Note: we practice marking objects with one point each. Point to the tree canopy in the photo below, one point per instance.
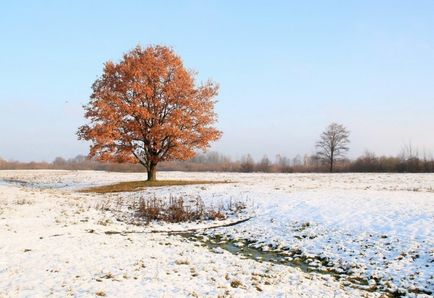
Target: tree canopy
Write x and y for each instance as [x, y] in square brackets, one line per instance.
[148, 108]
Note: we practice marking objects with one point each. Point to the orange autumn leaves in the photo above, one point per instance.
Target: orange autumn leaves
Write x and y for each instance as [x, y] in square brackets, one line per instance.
[147, 108]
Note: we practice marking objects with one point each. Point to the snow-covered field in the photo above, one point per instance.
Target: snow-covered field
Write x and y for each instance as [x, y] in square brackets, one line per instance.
[376, 229]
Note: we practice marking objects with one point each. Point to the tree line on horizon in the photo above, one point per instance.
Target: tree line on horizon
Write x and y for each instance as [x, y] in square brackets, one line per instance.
[408, 161]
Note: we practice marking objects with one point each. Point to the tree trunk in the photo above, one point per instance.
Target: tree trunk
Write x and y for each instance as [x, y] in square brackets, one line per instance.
[331, 164]
[152, 172]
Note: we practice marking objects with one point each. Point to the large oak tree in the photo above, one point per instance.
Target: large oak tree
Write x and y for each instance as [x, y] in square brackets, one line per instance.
[148, 108]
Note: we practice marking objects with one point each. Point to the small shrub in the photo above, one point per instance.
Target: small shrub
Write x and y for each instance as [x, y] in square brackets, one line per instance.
[182, 262]
[176, 210]
[179, 209]
[23, 202]
[109, 275]
[216, 215]
[236, 283]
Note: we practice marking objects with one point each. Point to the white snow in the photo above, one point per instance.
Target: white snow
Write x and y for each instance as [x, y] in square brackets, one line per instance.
[52, 238]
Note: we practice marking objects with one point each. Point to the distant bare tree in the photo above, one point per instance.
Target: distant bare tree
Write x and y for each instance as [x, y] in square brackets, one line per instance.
[283, 164]
[59, 161]
[247, 164]
[296, 161]
[333, 144]
[410, 161]
[264, 165]
[409, 152]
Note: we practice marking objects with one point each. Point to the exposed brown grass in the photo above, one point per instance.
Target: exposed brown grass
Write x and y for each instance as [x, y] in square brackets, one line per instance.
[24, 202]
[131, 186]
[176, 209]
[236, 283]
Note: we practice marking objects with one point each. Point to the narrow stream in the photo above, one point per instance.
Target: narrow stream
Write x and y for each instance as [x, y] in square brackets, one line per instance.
[293, 258]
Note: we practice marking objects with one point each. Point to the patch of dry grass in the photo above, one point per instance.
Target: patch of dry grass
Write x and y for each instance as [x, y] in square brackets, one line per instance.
[236, 283]
[139, 185]
[24, 202]
[176, 209]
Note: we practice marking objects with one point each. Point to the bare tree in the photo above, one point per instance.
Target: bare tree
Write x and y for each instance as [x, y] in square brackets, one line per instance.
[333, 144]
[283, 164]
[264, 165]
[247, 164]
[408, 151]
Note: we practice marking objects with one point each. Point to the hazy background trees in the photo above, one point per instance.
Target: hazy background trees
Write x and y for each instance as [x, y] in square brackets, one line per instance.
[247, 164]
[409, 160]
[216, 162]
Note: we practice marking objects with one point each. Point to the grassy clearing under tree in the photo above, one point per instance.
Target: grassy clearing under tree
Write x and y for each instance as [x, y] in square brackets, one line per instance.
[140, 185]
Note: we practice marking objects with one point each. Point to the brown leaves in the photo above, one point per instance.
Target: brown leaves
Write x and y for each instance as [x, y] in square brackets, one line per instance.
[147, 108]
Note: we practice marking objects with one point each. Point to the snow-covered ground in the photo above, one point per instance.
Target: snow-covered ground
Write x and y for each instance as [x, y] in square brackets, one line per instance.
[375, 227]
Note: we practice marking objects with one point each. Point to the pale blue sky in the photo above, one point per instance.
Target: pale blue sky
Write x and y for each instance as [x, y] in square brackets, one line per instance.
[286, 69]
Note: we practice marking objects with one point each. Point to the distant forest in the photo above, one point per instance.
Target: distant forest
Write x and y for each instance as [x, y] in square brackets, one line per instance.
[409, 161]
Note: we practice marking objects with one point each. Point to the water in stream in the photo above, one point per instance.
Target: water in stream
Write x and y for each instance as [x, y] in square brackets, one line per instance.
[285, 256]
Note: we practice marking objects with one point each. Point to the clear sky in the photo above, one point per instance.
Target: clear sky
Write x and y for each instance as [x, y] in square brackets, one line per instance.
[286, 69]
